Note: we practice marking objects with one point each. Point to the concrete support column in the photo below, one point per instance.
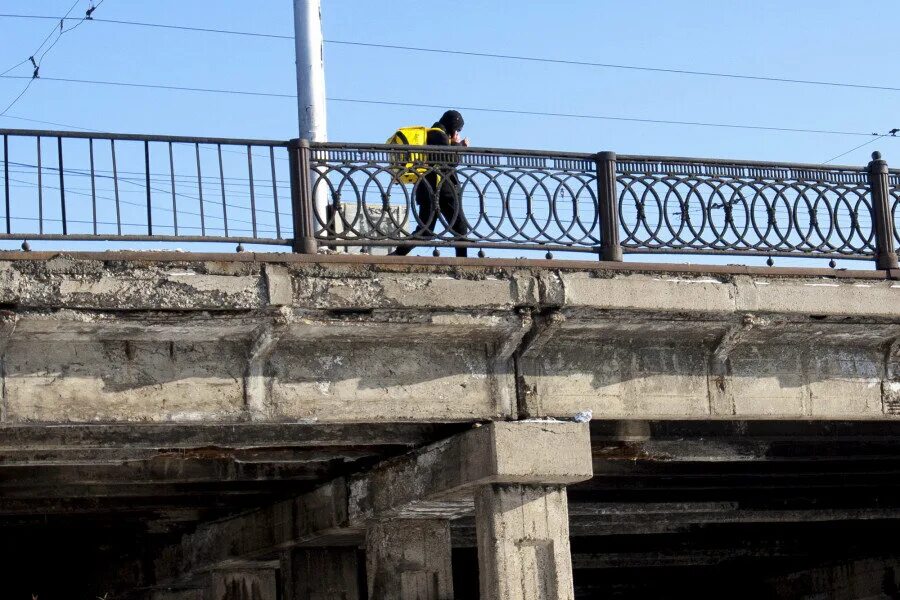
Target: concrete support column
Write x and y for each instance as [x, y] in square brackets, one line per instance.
[244, 584]
[523, 542]
[320, 574]
[409, 559]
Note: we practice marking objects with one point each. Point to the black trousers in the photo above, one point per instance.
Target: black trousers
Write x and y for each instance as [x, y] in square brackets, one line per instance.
[433, 199]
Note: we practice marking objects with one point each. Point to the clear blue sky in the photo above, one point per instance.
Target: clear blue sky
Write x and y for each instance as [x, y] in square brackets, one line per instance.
[806, 39]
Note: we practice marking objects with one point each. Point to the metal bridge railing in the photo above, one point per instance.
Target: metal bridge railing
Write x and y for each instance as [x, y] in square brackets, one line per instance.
[98, 186]
[63, 185]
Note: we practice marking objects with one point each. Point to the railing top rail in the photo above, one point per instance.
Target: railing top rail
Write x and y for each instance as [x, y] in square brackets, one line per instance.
[737, 163]
[454, 149]
[590, 156]
[99, 135]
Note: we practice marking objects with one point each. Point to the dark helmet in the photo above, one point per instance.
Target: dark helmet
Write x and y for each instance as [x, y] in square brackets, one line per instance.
[452, 121]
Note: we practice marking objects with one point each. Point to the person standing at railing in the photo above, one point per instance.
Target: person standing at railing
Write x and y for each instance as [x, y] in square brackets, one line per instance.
[438, 192]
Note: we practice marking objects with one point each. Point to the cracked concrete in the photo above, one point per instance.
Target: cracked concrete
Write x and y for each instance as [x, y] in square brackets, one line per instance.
[171, 339]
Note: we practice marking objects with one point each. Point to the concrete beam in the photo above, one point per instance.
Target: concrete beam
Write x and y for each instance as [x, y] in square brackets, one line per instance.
[438, 481]
[621, 341]
[235, 435]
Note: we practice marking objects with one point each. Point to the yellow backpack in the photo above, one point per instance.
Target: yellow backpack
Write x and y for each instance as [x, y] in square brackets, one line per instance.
[408, 167]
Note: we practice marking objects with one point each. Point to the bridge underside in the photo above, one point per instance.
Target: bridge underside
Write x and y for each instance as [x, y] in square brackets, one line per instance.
[171, 423]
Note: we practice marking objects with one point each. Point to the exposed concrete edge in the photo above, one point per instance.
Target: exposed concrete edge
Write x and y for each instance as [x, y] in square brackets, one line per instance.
[437, 478]
[525, 452]
[487, 263]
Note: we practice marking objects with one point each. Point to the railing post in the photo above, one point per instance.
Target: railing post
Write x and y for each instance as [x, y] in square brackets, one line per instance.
[885, 252]
[302, 197]
[608, 209]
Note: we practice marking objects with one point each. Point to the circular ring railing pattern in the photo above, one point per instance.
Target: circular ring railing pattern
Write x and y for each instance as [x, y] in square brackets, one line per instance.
[744, 209]
[505, 200]
[894, 192]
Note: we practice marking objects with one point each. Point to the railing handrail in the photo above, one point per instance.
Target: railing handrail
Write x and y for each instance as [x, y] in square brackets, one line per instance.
[140, 137]
[486, 150]
[489, 150]
[739, 163]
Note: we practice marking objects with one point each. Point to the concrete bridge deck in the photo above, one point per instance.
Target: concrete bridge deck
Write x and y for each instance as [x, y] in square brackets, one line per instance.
[228, 416]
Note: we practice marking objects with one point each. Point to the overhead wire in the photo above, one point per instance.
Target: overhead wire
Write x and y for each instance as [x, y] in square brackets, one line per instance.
[891, 133]
[37, 63]
[493, 55]
[88, 16]
[468, 108]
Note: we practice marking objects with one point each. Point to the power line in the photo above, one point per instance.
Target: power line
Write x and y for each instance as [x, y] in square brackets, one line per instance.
[514, 57]
[583, 63]
[165, 26]
[87, 16]
[37, 64]
[469, 108]
[892, 133]
[49, 35]
[58, 124]
[177, 88]
[605, 117]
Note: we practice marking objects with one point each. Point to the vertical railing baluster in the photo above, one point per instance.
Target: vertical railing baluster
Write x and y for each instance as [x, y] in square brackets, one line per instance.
[200, 190]
[6, 179]
[174, 196]
[883, 222]
[275, 193]
[149, 194]
[112, 149]
[252, 196]
[62, 189]
[608, 206]
[93, 185]
[222, 187]
[40, 187]
[302, 197]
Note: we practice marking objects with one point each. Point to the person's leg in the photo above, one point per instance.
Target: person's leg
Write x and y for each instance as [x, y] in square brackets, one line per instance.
[451, 209]
[427, 217]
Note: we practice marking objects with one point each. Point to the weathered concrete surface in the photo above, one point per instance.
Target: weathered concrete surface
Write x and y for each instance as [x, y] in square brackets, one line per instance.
[523, 543]
[192, 594]
[849, 580]
[319, 574]
[409, 559]
[244, 584]
[438, 481]
[185, 338]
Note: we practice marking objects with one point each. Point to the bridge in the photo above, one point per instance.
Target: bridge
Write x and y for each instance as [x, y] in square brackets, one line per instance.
[326, 424]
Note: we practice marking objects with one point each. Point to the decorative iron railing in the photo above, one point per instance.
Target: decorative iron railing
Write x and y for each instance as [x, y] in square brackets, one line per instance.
[686, 205]
[492, 198]
[64, 185]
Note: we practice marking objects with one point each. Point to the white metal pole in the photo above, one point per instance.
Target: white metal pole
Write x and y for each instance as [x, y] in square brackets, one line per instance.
[310, 53]
[310, 70]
